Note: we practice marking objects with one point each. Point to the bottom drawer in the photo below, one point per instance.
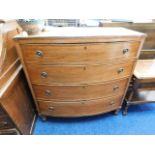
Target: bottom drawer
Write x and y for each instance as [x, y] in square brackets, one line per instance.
[81, 108]
[5, 123]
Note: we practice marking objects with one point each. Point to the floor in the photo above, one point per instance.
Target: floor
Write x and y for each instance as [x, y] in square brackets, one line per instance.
[139, 121]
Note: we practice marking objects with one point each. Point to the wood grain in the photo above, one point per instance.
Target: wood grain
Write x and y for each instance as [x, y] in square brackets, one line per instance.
[79, 53]
[15, 98]
[81, 35]
[12, 68]
[17, 102]
[77, 74]
[76, 109]
[78, 68]
[8, 31]
[145, 69]
[85, 92]
[147, 28]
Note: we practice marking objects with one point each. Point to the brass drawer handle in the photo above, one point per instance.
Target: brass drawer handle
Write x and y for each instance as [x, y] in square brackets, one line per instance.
[112, 103]
[126, 50]
[51, 108]
[39, 53]
[44, 75]
[48, 93]
[115, 88]
[120, 70]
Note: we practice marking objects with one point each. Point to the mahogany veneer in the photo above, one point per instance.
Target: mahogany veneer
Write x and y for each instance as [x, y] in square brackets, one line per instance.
[76, 72]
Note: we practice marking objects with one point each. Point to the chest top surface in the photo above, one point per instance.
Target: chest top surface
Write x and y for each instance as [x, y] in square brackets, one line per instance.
[73, 34]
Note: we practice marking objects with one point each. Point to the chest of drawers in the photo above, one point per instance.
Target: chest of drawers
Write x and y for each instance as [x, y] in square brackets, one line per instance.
[76, 72]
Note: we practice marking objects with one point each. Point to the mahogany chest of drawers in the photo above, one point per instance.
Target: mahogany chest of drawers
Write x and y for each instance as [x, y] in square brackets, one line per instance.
[76, 72]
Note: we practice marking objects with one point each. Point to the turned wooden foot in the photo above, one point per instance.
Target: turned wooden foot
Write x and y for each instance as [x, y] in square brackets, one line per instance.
[125, 110]
[44, 118]
[116, 111]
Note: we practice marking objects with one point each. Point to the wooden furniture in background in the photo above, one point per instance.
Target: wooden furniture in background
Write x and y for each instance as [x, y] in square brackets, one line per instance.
[16, 110]
[142, 89]
[148, 49]
[148, 28]
[142, 86]
[74, 72]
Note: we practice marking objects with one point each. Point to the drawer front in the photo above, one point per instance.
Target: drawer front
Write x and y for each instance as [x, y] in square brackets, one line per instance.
[79, 53]
[77, 74]
[81, 108]
[87, 92]
[5, 123]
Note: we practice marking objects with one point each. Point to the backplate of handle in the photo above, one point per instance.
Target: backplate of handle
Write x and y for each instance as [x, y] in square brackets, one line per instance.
[115, 87]
[125, 51]
[48, 93]
[120, 70]
[44, 74]
[112, 103]
[39, 53]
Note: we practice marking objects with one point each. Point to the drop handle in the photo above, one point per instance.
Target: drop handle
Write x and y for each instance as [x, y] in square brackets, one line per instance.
[44, 74]
[39, 53]
[115, 88]
[112, 103]
[48, 93]
[120, 70]
[51, 108]
[125, 51]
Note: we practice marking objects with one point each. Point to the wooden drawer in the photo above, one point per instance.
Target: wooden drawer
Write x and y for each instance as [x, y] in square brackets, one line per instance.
[81, 108]
[77, 74]
[87, 92]
[5, 123]
[79, 53]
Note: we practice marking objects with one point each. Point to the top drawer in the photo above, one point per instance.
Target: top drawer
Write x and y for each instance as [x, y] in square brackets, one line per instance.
[79, 53]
